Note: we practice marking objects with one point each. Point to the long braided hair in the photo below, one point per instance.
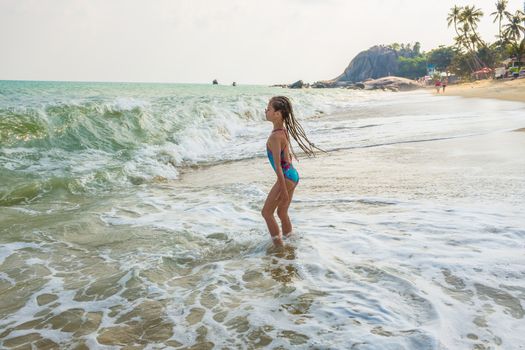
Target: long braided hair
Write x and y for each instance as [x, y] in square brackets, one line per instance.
[283, 104]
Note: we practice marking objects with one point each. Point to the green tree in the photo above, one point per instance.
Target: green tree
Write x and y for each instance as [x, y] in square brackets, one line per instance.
[407, 50]
[471, 52]
[453, 17]
[489, 55]
[499, 52]
[412, 68]
[472, 16]
[441, 57]
[500, 13]
[461, 65]
[514, 29]
[519, 51]
[395, 46]
[465, 21]
[512, 35]
[417, 49]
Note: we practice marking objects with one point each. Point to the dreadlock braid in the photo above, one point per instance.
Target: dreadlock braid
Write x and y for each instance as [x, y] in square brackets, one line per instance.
[283, 104]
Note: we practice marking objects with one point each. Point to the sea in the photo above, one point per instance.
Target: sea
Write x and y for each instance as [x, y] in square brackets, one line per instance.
[130, 219]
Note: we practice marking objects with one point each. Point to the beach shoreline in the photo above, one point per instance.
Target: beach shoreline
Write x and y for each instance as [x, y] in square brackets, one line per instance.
[509, 90]
[460, 164]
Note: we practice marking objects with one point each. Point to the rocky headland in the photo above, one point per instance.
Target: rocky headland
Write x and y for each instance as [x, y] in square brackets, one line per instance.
[372, 69]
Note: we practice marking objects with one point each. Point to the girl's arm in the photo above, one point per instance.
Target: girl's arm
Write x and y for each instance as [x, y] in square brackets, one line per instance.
[274, 144]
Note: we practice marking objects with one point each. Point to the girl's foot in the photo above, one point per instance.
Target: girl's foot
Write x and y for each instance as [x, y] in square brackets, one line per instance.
[288, 235]
[278, 240]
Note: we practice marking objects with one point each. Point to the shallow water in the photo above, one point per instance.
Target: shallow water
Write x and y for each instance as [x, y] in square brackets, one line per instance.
[408, 234]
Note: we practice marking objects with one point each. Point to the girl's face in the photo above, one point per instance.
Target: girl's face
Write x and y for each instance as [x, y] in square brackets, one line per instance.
[271, 113]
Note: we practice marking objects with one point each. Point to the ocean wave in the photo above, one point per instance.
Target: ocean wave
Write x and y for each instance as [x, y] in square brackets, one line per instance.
[102, 136]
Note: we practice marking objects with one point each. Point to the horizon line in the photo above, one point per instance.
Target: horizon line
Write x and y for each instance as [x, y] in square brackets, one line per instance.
[127, 82]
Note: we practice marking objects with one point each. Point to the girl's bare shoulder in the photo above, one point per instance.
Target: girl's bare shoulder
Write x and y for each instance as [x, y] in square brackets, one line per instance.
[277, 137]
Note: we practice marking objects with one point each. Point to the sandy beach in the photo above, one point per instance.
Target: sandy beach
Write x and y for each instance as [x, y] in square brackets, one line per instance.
[511, 90]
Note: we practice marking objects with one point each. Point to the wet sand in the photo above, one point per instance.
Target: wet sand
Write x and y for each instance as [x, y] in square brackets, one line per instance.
[486, 165]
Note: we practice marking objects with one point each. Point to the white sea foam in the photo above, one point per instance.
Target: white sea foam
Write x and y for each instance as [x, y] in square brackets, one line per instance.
[126, 104]
[410, 272]
[7, 250]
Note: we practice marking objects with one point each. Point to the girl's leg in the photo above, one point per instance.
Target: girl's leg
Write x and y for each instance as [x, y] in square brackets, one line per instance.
[267, 212]
[282, 209]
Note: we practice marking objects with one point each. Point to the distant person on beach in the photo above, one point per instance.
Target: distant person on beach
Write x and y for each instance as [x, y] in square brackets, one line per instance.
[279, 150]
[438, 85]
[444, 84]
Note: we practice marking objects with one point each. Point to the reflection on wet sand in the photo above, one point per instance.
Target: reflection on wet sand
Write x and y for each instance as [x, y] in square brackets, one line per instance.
[281, 266]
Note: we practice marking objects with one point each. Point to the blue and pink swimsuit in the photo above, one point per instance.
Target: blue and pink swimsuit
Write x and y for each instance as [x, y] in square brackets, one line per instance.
[288, 170]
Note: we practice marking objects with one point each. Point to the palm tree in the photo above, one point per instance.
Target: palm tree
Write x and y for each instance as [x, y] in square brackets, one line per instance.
[519, 50]
[453, 17]
[465, 36]
[460, 41]
[512, 34]
[500, 13]
[472, 16]
[465, 21]
[417, 48]
[513, 30]
[469, 18]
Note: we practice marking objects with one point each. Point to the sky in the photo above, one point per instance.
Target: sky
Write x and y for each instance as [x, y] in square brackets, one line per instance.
[196, 41]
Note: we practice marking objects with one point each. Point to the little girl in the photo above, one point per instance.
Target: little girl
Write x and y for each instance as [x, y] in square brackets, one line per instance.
[279, 150]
